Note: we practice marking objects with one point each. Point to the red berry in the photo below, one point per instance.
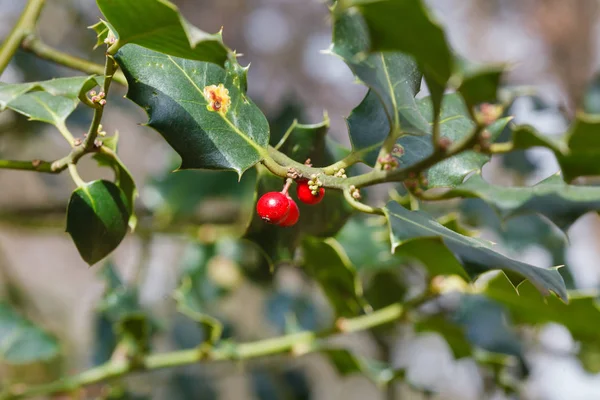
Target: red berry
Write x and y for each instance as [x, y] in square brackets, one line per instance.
[305, 194]
[273, 207]
[292, 216]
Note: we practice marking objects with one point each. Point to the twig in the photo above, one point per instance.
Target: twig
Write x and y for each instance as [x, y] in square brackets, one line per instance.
[35, 46]
[110, 66]
[308, 340]
[361, 206]
[25, 25]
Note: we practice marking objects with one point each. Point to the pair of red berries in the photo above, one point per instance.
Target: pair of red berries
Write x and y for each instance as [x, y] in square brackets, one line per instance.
[280, 209]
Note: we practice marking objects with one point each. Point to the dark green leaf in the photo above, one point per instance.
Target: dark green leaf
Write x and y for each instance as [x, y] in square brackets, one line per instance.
[481, 86]
[368, 129]
[393, 77]
[305, 140]
[528, 307]
[561, 203]
[123, 178]
[576, 153]
[519, 232]
[475, 255]
[367, 244]
[97, 219]
[22, 342]
[487, 326]
[456, 125]
[157, 25]
[385, 288]
[326, 263]
[432, 253]
[405, 26]
[171, 90]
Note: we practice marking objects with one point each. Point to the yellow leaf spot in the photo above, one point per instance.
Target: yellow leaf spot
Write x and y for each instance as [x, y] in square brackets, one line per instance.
[217, 97]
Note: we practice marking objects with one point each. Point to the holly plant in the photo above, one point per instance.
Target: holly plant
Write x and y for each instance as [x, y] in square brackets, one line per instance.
[385, 229]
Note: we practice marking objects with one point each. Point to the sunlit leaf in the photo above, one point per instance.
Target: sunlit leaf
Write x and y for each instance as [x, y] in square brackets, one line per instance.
[171, 90]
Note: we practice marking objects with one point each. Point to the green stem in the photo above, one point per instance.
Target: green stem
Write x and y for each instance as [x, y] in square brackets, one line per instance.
[286, 134]
[361, 206]
[78, 151]
[501, 148]
[110, 67]
[435, 130]
[278, 163]
[307, 341]
[379, 317]
[53, 167]
[25, 25]
[35, 165]
[349, 160]
[42, 50]
[388, 145]
[66, 133]
[75, 176]
[377, 176]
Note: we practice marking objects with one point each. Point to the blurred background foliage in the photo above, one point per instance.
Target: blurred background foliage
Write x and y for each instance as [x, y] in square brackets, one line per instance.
[185, 262]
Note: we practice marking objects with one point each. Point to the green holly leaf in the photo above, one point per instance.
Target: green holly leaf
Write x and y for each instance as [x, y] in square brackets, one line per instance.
[433, 255]
[487, 326]
[97, 218]
[385, 288]
[561, 203]
[456, 125]
[405, 26]
[368, 129]
[123, 178]
[476, 256]
[103, 30]
[576, 153]
[22, 342]
[171, 90]
[529, 307]
[338, 280]
[48, 101]
[301, 141]
[393, 77]
[481, 85]
[367, 244]
[71, 88]
[42, 106]
[158, 25]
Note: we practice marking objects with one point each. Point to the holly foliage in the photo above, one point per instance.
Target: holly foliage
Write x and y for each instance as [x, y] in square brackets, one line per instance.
[361, 254]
